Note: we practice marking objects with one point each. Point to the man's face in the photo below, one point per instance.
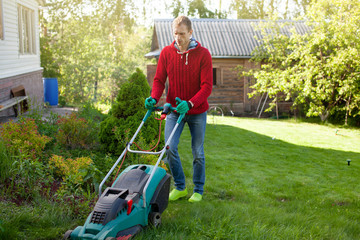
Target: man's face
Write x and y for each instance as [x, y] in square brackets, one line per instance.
[181, 35]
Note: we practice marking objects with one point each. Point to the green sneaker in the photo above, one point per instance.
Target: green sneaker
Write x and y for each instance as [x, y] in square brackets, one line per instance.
[176, 194]
[196, 197]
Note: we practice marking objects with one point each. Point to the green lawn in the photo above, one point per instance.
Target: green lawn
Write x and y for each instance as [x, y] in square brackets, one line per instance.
[266, 179]
[269, 179]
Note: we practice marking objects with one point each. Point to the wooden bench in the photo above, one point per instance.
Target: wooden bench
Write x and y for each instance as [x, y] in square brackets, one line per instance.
[12, 102]
[18, 100]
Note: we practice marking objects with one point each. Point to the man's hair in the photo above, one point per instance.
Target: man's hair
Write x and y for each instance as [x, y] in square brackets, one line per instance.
[182, 20]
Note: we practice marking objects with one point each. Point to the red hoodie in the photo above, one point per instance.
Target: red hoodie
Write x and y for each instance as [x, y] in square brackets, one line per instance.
[190, 77]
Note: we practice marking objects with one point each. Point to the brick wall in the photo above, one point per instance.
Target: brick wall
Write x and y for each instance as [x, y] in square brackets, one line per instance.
[33, 85]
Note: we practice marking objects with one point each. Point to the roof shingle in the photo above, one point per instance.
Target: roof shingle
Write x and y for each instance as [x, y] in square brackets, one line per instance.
[225, 38]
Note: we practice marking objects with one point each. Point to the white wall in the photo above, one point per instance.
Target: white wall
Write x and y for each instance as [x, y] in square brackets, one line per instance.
[11, 62]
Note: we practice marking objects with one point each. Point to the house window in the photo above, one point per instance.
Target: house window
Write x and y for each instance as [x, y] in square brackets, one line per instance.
[217, 80]
[26, 19]
[214, 76]
[1, 22]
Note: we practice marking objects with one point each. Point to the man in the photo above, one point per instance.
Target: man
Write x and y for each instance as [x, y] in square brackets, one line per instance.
[188, 67]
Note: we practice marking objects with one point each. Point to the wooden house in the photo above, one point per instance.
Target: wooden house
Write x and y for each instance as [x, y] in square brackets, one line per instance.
[20, 50]
[231, 43]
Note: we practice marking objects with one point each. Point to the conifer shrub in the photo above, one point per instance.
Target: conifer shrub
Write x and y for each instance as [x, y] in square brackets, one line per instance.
[126, 115]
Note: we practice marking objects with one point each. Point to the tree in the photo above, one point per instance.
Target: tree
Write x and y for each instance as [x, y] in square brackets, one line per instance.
[177, 8]
[196, 9]
[320, 69]
[261, 9]
[95, 44]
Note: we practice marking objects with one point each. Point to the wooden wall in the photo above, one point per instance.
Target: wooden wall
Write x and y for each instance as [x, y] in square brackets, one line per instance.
[13, 63]
[230, 92]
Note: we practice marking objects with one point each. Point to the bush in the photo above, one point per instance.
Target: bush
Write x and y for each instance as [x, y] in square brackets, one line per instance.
[23, 178]
[126, 114]
[30, 179]
[23, 139]
[68, 168]
[75, 132]
[75, 173]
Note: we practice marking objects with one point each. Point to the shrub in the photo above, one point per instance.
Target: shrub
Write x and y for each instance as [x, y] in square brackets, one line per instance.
[126, 114]
[79, 179]
[73, 169]
[23, 139]
[75, 132]
[26, 180]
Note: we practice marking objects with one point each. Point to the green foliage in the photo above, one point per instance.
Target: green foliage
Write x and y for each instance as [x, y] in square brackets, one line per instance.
[23, 139]
[46, 125]
[62, 100]
[255, 9]
[319, 69]
[130, 97]
[196, 9]
[126, 114]
[75, 132]
[95, 50]
[48, 62]
[77, 174]
[107, 135]
[89, 112]
[29, 180]
[75, 170]
[5, 162]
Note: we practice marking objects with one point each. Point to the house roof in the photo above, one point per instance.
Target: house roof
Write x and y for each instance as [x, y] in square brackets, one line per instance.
[224, 38]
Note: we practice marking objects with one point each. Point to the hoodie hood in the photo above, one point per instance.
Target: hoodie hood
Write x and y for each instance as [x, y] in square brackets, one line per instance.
[192, 45]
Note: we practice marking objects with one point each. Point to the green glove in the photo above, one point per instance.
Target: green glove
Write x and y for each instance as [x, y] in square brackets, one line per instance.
[150, 103]
[182, 106]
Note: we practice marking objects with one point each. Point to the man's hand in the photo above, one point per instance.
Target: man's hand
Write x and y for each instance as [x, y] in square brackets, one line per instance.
[150, 103]
[182, 106]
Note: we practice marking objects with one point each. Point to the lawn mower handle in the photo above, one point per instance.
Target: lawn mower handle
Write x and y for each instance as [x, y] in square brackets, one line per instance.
[166, 109]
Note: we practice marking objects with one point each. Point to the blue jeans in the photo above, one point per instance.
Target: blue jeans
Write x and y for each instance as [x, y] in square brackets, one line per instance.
[197, 126]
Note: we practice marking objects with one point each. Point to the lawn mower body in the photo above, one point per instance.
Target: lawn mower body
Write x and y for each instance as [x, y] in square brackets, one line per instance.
[119, 212]
[138, 196]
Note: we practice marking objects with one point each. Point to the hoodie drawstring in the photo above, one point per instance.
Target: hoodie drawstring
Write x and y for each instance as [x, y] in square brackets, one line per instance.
[187, 56]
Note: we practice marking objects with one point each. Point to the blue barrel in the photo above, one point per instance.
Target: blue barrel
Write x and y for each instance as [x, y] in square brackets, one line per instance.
[51, 91]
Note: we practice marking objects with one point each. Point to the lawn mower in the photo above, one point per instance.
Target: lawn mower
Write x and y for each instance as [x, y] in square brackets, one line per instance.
[137, 197]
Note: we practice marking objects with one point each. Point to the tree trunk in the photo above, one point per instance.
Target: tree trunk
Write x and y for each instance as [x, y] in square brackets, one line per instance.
[277, 109]
[324, 116]
[95, 90]
[347, 110]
